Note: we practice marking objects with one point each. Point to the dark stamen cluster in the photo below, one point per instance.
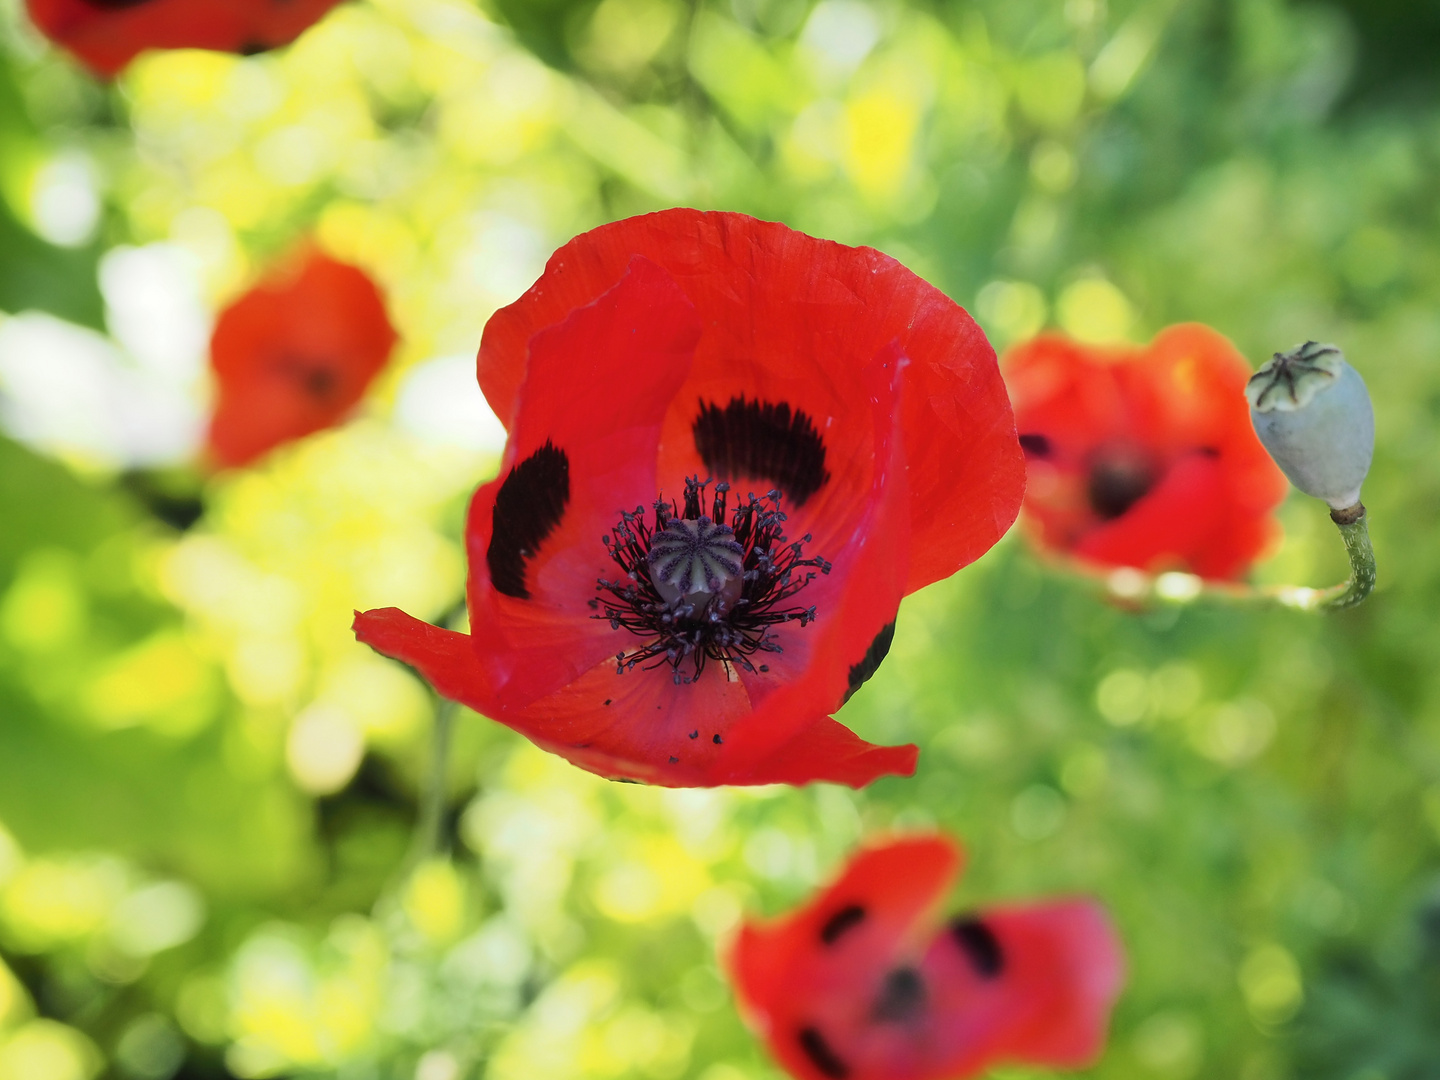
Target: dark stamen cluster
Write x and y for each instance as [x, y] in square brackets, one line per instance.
[692, 630]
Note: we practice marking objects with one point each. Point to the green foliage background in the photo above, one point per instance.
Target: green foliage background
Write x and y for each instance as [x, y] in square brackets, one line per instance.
[1255, 794]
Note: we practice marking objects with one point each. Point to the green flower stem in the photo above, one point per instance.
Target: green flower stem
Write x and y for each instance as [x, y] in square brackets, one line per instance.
[429, 839]
[1131, 587]
[1356, 535]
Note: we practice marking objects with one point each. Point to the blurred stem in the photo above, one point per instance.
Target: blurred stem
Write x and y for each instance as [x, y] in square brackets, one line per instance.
[429, 839]
[1131, 587]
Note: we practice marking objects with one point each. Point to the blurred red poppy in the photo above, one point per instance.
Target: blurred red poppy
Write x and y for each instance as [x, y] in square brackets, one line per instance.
[107, 34]
[860, 444]
[294, 355]
[865, 982]
[1144, 457]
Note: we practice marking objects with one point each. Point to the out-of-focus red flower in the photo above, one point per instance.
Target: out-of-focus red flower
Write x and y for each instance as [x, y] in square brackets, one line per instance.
[860, 443]
[294, 355]
[1144, 457]
[107, 34]
[867, 983]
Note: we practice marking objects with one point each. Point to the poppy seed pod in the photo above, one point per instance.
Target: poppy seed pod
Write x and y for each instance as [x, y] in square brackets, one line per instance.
[1312, 412]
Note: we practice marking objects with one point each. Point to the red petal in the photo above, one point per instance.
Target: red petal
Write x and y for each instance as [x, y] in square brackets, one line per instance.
[597, 387]
[108, 38]
[1173, 403]
[1172, 526]
[810, 967]
[684, 736]
[791, 318]
[1050, 1005]
[575, 724]
[811, 981]
[445, 658]
[744, 728]
[827, 752]
[294, 355]
[868, 544]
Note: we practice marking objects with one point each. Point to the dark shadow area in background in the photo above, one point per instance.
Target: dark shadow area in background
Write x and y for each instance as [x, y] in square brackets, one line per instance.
[1398, 43]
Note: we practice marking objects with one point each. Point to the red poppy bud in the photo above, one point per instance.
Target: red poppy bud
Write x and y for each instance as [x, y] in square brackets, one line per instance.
[107, 34]
[732, 449]
[1144, 456]
[294, 355]
[866, 982]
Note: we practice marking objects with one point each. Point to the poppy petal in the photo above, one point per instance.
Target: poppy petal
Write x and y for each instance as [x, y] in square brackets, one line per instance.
[803, 972]
[294, 354]
[860, 595]
[863, 982]
[445, 658]
[107, 36]
[825, 752]
[596, 388]
[790, 319]
[1144, 457]
[1171, 526]
[643, 725]
[1066, 967]
[682, 348]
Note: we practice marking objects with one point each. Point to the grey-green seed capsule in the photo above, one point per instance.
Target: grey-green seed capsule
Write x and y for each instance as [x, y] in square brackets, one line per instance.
[1312, 413]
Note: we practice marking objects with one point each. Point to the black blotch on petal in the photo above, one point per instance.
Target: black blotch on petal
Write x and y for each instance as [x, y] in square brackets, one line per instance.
[1035, 443]
[980, 945]
[695, 734]
[674, 760]
[848, 917]
[1116, 484]
[529, 505]
[870, 663]
[717, 740]
[820, 1054]
[320, 382]
[762, 439]
[902, 997]
[608, 700]
[1209, 451]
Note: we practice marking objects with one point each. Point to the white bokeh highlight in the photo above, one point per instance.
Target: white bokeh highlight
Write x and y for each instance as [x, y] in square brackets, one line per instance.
[132, 401]
[440, 402]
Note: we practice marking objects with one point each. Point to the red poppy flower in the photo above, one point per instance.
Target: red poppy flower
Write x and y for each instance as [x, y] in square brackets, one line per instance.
[1144, 457]
[107, 34]
[865, 981]
[646, 623]
[294, 355]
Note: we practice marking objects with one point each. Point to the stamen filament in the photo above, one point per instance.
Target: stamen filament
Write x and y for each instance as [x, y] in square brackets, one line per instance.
[658, 598]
